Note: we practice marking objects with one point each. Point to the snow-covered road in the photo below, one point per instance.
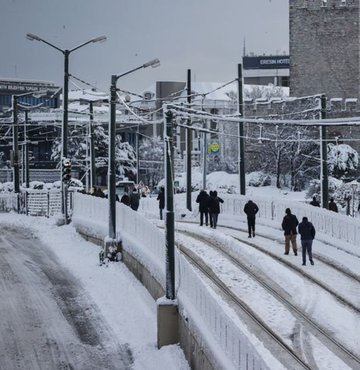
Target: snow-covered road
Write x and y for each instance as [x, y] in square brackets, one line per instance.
[48, 321]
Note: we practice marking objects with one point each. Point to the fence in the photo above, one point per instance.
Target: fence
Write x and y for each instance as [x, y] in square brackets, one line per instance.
[145, 242]
[35, 202]
[330, 224]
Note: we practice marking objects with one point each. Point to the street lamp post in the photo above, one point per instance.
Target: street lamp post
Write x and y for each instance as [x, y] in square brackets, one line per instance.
[64, 134]
[112, 133]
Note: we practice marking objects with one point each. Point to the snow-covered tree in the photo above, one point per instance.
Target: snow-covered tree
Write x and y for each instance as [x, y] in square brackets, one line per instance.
[282, 151]
[125, 157]
[152, 160]
[342, 159]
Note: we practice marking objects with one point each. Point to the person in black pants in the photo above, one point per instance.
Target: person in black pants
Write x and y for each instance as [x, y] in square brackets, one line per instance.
[307, 233]
[203, 200]
[161, 199]
[251, 209]
[214, 208]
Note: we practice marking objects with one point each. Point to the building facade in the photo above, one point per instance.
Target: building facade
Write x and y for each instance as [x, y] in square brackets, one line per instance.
[266, 69]
[324, 48]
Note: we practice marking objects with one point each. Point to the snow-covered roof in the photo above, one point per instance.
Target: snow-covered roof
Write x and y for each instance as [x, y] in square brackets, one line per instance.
[216, 91]
[88, 94]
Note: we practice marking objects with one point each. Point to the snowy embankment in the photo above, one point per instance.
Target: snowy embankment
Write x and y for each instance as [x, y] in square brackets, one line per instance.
[123, 302]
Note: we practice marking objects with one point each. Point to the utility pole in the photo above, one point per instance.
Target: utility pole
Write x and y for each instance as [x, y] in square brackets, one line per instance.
[169, 218]
[324, 179]
[188, 146]
[26, 150]
[241, 133]
[92, 147]
[137, 156]
[204, 154]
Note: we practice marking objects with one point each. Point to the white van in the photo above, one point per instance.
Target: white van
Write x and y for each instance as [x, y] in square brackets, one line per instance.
[124, 186]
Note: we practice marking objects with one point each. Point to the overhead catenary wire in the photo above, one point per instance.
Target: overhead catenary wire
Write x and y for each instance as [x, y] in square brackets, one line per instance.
[186, 112]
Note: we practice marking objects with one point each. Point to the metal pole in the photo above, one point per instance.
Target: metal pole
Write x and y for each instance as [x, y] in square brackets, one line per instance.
[64, 132]
[169, 218]
[15, 144]
[137, 156]
[324, 180]
[204, 155]
[241, 133]
[92, 147]
[27, 173]
[112, 179]
[65, 105]
[188, 146]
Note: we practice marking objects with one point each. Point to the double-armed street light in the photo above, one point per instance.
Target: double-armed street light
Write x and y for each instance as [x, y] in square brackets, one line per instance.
[66, 53]
[112, 133]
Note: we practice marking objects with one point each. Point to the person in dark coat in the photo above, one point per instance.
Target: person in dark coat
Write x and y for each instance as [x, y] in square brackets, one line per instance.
[307, 234]
[251, 209]
[134, 200]
[289, 225]
[161, 199]
[214, 208]
[332, 206]
[314, 202]
[125, 199]
[203, 200]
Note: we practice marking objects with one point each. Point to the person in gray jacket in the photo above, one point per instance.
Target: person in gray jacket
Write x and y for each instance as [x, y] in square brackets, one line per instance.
[307, 233]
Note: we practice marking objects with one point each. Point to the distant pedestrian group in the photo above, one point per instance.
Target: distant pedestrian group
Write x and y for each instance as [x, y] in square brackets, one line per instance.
[209, 207]
[306, 229]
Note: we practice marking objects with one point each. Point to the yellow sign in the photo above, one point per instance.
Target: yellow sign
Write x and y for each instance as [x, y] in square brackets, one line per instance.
[213, 147]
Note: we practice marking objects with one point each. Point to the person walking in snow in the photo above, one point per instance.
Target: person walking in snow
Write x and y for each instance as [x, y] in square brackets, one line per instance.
[214, 208]
[314, 202]
[203, 200]
[332, 206]
[307, 235]
[161, 199]
[289, 225]
[251, 209]
[134, 199]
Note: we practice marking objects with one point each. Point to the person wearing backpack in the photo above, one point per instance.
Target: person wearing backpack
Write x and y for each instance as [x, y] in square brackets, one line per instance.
[214, 208]
[307, 233]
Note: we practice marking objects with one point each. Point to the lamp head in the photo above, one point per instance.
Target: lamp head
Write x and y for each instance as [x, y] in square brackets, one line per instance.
[32, 37]
[152, 63]
[99, 39]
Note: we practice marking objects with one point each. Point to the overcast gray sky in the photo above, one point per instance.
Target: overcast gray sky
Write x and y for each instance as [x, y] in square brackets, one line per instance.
[206, 36]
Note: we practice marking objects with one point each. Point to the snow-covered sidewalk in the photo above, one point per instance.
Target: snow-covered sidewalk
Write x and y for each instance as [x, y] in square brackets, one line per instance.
[123, 302]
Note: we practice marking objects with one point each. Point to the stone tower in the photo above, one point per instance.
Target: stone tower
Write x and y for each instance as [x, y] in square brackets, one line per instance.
[324, 48]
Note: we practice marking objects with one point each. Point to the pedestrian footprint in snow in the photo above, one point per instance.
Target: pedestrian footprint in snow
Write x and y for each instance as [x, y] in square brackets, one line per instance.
[307, 233]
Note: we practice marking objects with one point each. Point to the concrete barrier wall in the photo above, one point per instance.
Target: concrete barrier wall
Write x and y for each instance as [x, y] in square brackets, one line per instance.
[209, 334]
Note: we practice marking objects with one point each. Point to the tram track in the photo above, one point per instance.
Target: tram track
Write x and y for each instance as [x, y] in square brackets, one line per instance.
[326, 338]
[352, 278]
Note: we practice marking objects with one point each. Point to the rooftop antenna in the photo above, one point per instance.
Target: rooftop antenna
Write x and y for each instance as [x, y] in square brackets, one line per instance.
[244, 47]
